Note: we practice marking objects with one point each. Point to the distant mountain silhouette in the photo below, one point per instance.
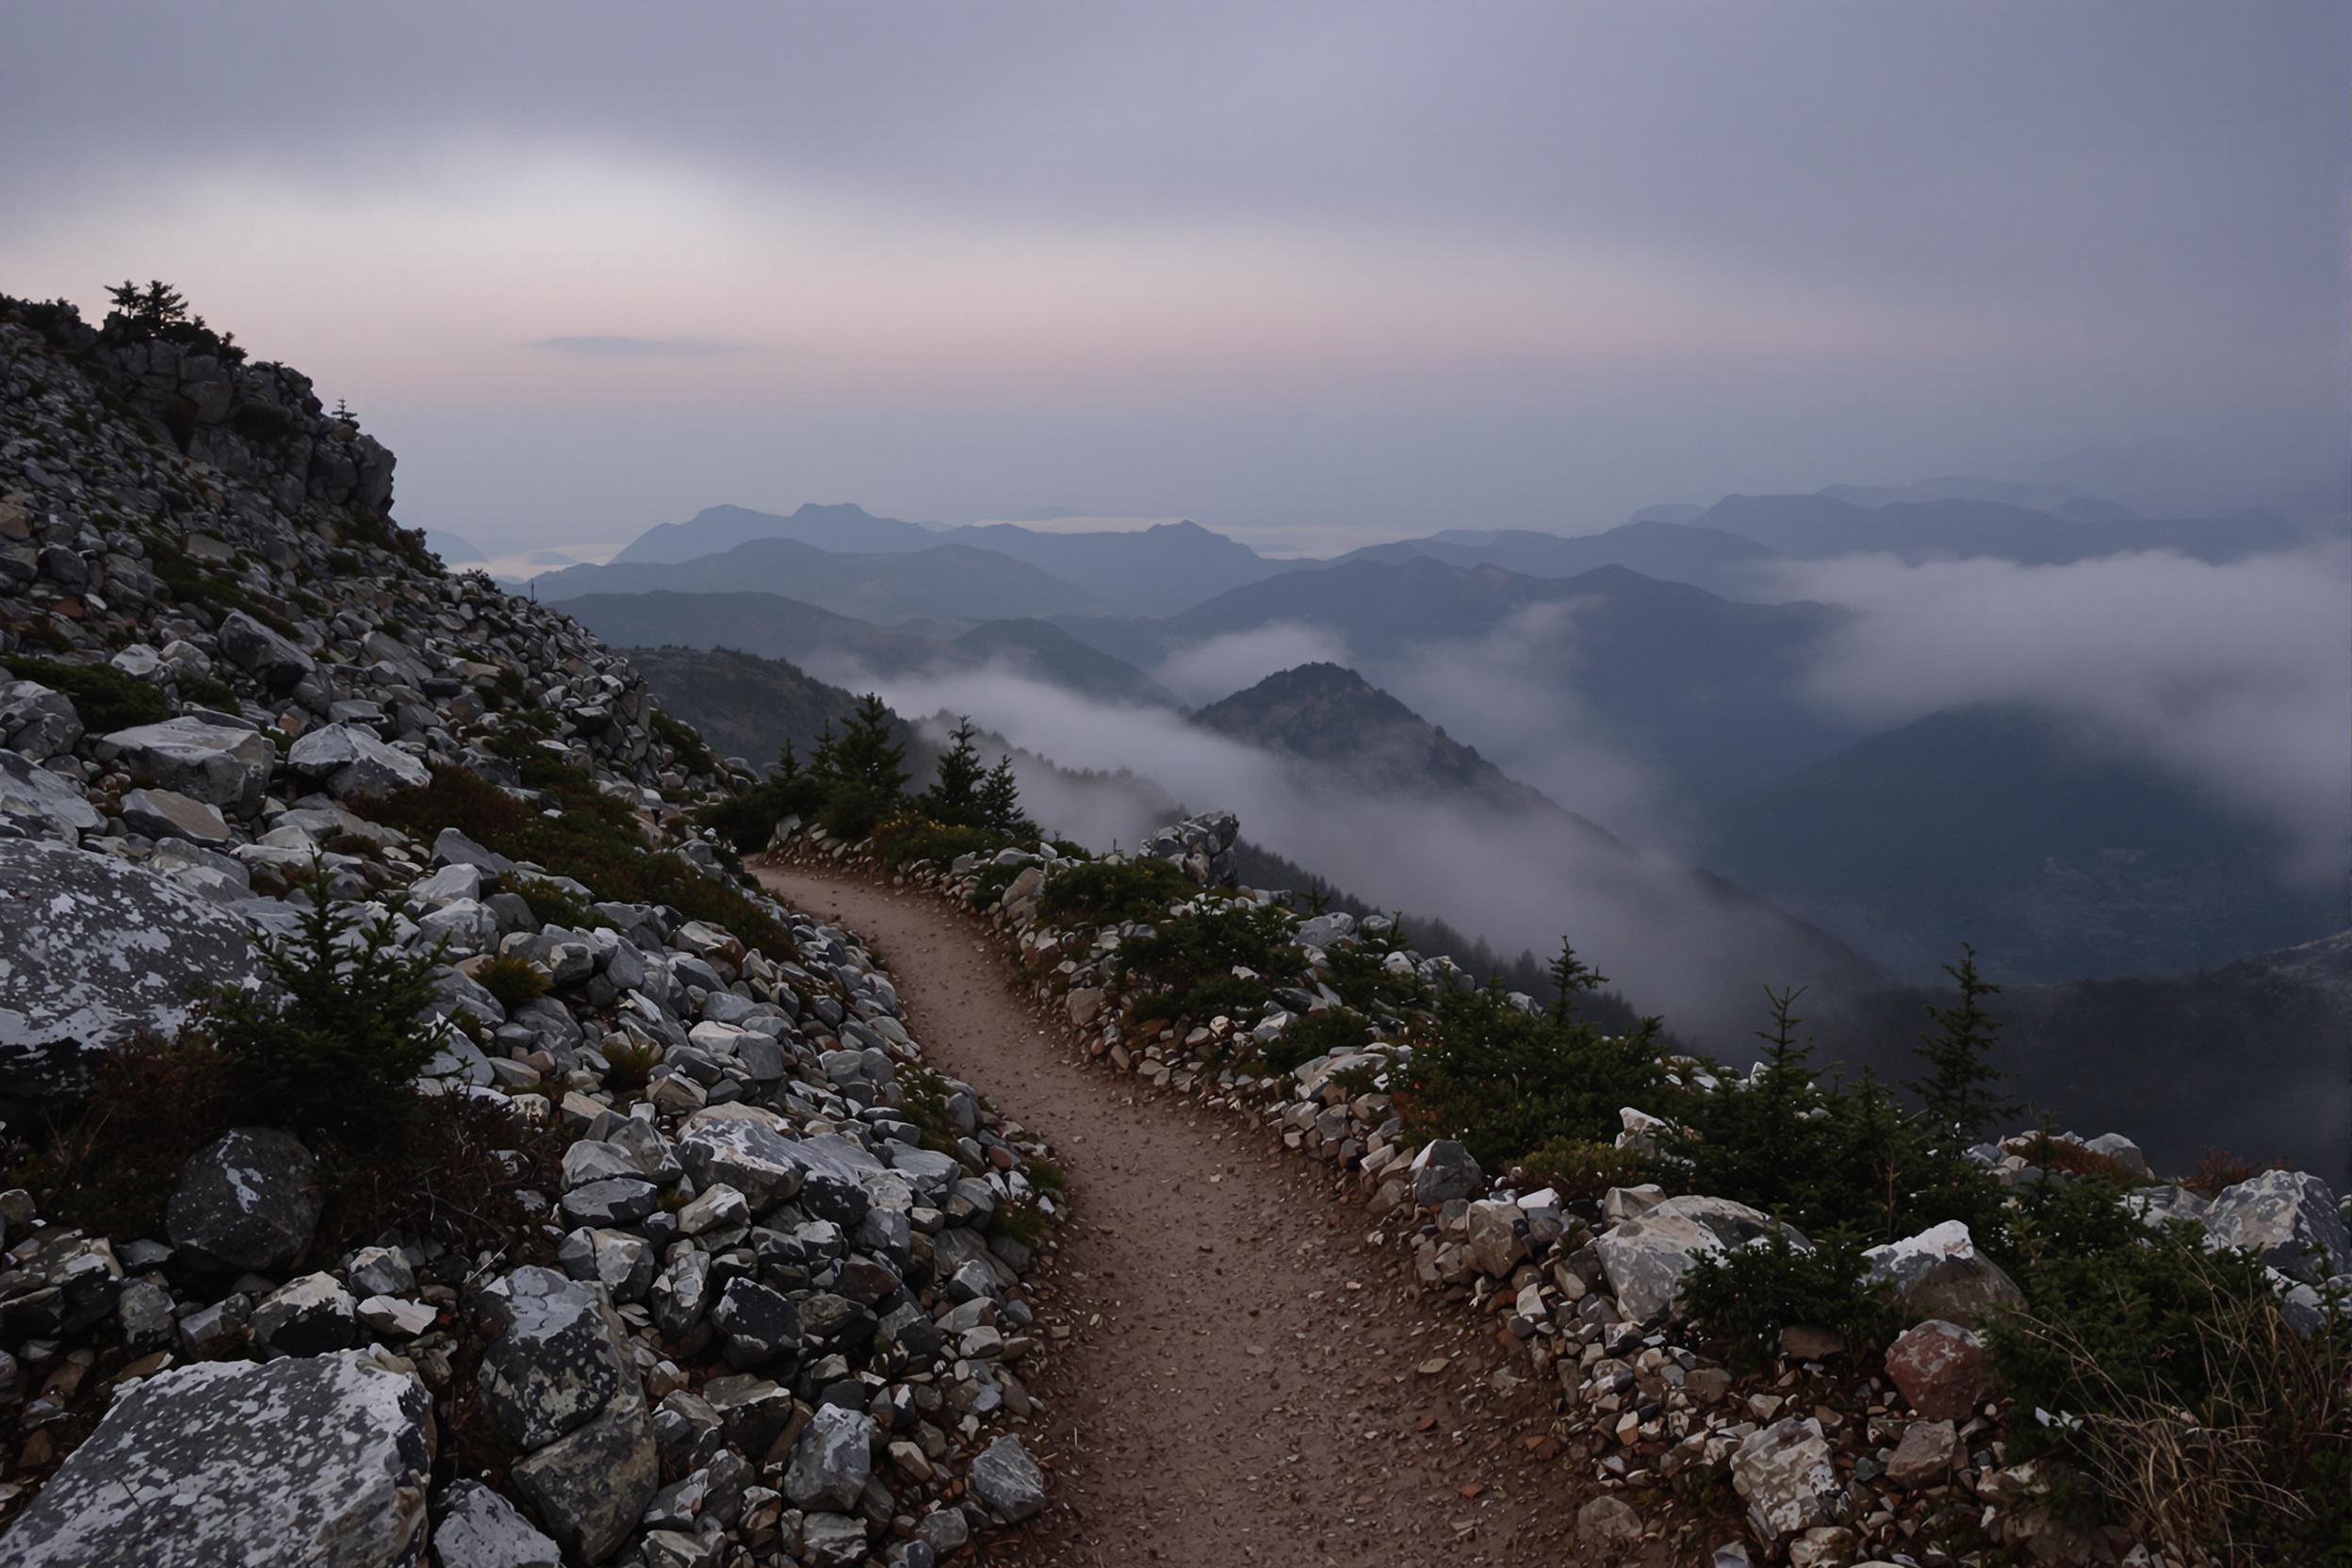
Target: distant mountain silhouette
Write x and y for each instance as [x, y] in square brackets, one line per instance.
[1824, 525]
[845, 529]
[1043, 651]
[1149, 571]
[1999, 825]
[947, 581]
[1672, 552]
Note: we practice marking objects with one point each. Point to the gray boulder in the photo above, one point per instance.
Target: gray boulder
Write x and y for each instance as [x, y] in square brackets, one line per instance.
[746, 1155]
[37, 720]
[320, 1462]
[2289, 1220]
[352, 763]
[217, 763]
[1445, 1171]
[1939, 1273]
[480, 1529]
[554, 1361]
[169, 814]
[1646, 1257]
[590, 1486]
[1008, 1480]
[247, 1200]
[41, 804]
[831, 1461]
[276, 662]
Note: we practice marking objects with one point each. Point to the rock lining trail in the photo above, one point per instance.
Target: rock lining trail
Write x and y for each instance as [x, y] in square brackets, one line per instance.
[1244, 1381]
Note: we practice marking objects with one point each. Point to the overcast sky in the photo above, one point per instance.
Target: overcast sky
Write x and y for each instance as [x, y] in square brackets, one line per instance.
[1298, 272]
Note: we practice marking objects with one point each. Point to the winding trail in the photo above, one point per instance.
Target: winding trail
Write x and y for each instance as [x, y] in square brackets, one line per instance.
[1241, 1380]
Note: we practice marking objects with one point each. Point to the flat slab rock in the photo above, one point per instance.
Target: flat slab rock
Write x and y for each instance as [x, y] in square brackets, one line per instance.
[321, 1462]
[94, 950]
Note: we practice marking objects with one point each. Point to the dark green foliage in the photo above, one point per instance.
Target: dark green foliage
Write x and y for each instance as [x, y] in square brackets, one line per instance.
[1000, 801]
[1571, 977]
[2178, 1390]
[1505, 1082]
[1316, 1035]
[1211, 940]
[205, 691]
[863, 772]
[1583, 1169]
[106, 699]
[112, 1166]
[1742, 1297]
[954, 797]
[551, 904]
[333, 1046]
[902, 841]
[629, 1064]
[513, 979]
[1960, 1096]
[1113, 892]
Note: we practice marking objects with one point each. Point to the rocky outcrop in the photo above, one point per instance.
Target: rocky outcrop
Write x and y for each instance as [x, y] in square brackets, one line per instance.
[756, 1220]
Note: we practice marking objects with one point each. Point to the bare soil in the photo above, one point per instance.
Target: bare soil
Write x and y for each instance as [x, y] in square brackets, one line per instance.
[1245, 1378]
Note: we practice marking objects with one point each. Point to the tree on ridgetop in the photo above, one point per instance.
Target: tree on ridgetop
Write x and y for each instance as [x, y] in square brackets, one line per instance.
[1569, 977]
[1959, 1095]
[160, 310]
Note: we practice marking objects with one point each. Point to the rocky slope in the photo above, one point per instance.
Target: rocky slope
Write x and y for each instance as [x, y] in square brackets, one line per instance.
[744, 1282]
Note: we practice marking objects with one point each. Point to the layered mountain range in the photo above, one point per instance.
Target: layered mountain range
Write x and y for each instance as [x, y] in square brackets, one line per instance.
[1663, 679]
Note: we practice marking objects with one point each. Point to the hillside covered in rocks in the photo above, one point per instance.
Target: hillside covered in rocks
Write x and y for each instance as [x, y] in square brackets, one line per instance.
[422, 1143]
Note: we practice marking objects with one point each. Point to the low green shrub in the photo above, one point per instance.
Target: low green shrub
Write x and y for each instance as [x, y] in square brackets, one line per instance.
[1315, 1034]
[629, 1064]
[106, 699]
[333, 1045]
[110, 1165]
[1210, 941]
[1113, 892]
[1742, 1297]
[513, 979]
[685, 742]
[903, 840]
[1583, 1169]
[1505, 1082]
[2168, 1377]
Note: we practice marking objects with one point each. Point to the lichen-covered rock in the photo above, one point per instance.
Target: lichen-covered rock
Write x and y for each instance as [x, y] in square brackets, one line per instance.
[746, 1155]
[553, 1361]
[1445, 1171]
[319, 1461]
[94, 950]
[2286, 1217]
[1787, 1477]
[247, 1200]
[479, 1529]
[590, 1486]
[831, 1460]
[1645, 1259]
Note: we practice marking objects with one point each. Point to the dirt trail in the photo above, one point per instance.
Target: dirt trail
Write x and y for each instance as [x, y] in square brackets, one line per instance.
[1242, 1383]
